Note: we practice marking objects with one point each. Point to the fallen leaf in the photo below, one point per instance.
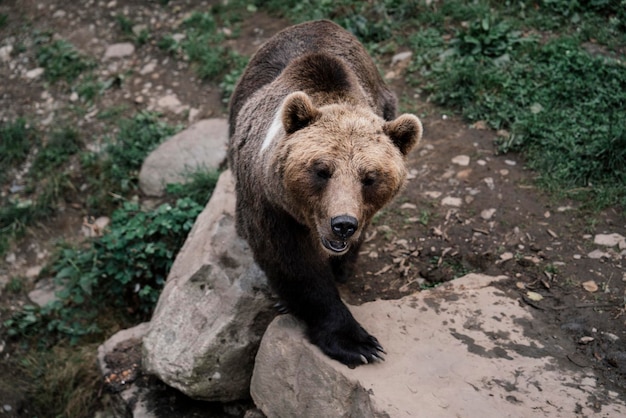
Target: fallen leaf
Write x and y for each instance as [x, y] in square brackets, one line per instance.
[590, 286]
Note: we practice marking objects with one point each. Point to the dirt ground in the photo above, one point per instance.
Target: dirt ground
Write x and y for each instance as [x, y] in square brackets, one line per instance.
[476, 213]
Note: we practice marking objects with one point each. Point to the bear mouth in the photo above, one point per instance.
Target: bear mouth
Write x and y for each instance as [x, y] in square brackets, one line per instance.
[335, 246]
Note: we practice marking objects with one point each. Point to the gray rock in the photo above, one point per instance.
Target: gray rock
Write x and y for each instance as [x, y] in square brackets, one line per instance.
[458, 350]
[608, 240]
[120, 50]
[5, 53]
[44, 292]
[202, 146]
[213, 310]
[34, 73]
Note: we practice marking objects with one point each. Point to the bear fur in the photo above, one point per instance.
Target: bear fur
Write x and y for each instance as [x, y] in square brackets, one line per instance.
[316, 151]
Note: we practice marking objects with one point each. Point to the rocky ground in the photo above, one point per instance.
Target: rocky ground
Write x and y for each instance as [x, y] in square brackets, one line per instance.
[465, 209]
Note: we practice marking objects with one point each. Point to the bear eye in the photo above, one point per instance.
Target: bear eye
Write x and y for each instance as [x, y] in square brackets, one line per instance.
[323, 173]
[368, 180]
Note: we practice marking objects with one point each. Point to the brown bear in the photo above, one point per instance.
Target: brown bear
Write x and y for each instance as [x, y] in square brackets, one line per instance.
[316, 151]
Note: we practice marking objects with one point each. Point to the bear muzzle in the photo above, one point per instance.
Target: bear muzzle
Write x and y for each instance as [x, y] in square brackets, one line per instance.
[343, 227]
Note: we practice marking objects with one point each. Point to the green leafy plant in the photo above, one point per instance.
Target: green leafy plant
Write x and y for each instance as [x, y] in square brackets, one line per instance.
[123, 269]
[61, 61]
[560, 104]
[115, 171]
[17, 140]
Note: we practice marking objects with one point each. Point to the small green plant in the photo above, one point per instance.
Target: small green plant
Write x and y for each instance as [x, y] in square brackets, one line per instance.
[203, 46]
[115, 171]
[17, 140]
[4, 18]
[488, 37]
[123, 269]
[61, 61]
[198, 187]
[63, 143]
[137, 34]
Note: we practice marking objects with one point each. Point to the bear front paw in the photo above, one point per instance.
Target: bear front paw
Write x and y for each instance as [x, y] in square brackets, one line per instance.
[349, 344]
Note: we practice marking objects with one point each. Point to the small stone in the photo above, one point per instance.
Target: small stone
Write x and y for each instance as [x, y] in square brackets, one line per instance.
[121, 50]
[489, 182]
[34, 73]
[464, 174]
[564, 208]
[452, 201]
[590, 286]
[402, 56]
[614, 338]
[5, 53]
[487, 213]
[432, 194]
[510, 162]
[7, 407]
[546, 214]
[577, 256]
[148, 68]
[534, 296]
[608, 240]
[462, 160]
[33, 272]
[73, 96]
[408, 206]
[506, 256]
[481, 163]
[585, 340]
[504, 172]
[171, 103]
[597, 254]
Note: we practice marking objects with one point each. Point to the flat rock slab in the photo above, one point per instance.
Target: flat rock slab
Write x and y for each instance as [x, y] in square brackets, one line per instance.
[460, 350]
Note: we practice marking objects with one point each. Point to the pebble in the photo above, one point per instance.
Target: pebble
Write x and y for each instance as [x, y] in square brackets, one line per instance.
[462, 160]
[464, 174]
[481, 163]
[121, 50]
[402, 56]
[34, 73]
[577, 256]
[504, 172]
[489, 182]
[510, 162]
[608, 240]
[487, 213]
[171, 103]
[597, 254]
[455, 202]
[432, 194]
[506, 256]
[5, 53]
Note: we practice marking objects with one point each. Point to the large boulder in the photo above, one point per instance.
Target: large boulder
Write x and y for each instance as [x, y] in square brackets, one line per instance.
[202, 146]
[213, 310]
[463, 349]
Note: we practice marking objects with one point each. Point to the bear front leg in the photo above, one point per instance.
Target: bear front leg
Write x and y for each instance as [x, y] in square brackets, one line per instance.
[311, 296]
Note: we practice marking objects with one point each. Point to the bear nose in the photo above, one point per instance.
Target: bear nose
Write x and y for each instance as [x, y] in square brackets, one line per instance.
[344, 226]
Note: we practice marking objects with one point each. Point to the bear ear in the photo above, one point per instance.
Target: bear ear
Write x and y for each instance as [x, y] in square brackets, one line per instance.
[405, 132]
[298, 112]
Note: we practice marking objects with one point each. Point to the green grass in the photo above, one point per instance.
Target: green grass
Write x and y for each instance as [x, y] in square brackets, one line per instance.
[203, 45]
[114, 173]
[562, 106]
[61, 60]
[17, 139]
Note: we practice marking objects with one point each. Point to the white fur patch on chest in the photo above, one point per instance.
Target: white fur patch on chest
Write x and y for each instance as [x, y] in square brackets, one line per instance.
[274, 130]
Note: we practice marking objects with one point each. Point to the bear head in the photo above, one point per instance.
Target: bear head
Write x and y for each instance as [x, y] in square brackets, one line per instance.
[338, 165]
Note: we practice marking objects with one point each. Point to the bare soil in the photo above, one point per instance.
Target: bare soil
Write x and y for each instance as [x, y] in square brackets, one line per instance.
[500, 223]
